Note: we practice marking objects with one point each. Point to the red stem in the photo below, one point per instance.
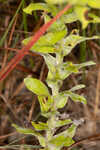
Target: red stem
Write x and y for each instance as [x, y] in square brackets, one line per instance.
[11, 65]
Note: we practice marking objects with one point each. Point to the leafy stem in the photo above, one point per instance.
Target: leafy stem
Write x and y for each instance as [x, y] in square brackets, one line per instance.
[53, 46]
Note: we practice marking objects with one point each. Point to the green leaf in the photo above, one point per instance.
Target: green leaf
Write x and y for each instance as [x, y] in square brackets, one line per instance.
[36, 6]
[60, 100]
[42, 45]
[42, 101]
[31, 132]
[77, 87]
[25, 130]
[69, 141]
[71, 130]
[69, 18]
[52, 83]
[93, 18]
[56, 1]
[64, 138]
[36, 86]
[77, 2]
[75, 97]
[66, 69]
[51, 62]
[42, 141]
[46, 43]
[80, 12]
[52, 66]
[94, 3]
[53, 37]
[88, 63]
[60, 123]
[61, 141]
[45, 103]
[72, 40]
[56, 26]
[40, 126]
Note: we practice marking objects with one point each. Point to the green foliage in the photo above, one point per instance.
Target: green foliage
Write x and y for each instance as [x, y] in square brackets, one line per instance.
[64, 138]
[77, 87]
[58, 41]
[60, 123]
[56, 1]
[45, 103]
[40, 126]
[26, 131]
[36, 86]
[36, 6]
[75, 97]
[31, 132]
[94, 4]
[80, 9]
[46, 43]
[60, 100]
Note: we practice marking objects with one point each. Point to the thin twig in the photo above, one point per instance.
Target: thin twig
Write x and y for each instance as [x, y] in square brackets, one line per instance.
[97, 94]
[12, 30]
[91, 138]
[17, 50]
[7, 135]
[9, 105]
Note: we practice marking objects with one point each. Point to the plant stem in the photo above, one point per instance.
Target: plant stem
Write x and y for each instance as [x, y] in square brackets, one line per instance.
[55, 92]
